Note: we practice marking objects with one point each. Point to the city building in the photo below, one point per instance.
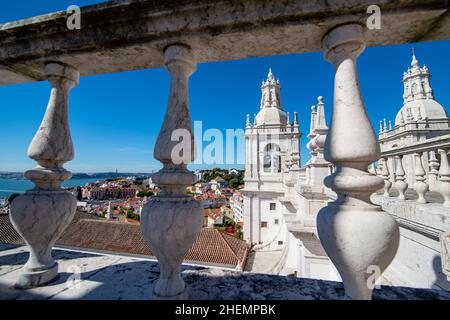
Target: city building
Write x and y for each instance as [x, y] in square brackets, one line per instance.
[272, 155]
[212, 216]
[212, 200]
[218, 183]
[411, 153]
[237, 206]
[106, 192]
[414, 165]
[420, 119]
[202, 187]
[198, 174]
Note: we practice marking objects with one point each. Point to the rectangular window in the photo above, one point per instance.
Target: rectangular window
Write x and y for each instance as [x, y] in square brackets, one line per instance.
[272, 206]
[276, 221]
[280, 243]
[263, 224]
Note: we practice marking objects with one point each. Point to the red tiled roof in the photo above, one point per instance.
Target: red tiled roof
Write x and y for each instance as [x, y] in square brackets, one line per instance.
[213, 213]
[7, 232]
[211, 246]
[91, 232]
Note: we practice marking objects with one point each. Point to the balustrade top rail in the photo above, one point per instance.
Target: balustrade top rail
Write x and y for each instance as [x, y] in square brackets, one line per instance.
[441, 142]
[131, 34]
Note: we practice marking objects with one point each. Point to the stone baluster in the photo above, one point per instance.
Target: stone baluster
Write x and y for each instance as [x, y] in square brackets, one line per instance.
[372, 169]
[385, 175]
[444, 177]
[172, 220]
[41, 214]
[355, 233]
[420, 186]
[433, 173]
[319, 167]
[400, 184]
[310, 145]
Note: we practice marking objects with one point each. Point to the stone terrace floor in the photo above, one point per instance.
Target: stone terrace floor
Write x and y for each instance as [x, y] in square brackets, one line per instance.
[126, 278]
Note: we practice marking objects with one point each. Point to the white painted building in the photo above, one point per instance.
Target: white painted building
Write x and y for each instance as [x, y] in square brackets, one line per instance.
[281, 200]
[414, 149]
[198, 174]
[237, 206]
[270, 145]
[421, 118]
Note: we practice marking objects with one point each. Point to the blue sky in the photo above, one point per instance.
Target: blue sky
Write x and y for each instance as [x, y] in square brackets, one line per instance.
[115, 118]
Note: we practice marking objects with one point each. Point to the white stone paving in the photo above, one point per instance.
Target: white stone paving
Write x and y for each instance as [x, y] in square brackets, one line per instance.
[124, 278]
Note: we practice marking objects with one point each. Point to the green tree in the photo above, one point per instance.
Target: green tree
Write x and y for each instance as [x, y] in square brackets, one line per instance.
[142, 194]
[234, 183]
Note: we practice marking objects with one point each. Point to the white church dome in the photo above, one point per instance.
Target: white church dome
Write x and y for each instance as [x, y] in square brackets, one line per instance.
[421, 108]
[269, 116]
[418, 97]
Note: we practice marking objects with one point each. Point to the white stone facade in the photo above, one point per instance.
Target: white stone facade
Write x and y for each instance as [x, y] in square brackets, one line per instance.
[272, 144]
[281, 200]
[413, 151]
[421, 118]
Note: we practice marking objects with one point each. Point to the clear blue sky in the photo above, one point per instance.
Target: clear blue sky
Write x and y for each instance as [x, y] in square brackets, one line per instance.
[115, 118]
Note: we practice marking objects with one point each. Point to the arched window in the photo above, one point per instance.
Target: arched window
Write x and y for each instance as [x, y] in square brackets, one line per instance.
[414, 88]
[272, 159]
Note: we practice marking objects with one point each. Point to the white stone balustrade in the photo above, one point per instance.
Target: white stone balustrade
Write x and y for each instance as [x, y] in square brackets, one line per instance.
[444, 177]
[385, 175]
[400, 183]
[433, 173]
[310, 145]
[355, 233]
[420, 186]
[41, 214]
[318, 166]
[171, 222]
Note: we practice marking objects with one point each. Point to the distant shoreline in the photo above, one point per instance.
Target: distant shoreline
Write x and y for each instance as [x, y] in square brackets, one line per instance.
[10, 186]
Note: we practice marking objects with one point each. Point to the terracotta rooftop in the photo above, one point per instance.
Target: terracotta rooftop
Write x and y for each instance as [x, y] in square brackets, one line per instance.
[213, 213]
[90, 232]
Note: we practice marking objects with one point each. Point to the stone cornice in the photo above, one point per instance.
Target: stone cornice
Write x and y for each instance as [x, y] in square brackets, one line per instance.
[441, 142]
[130, 34]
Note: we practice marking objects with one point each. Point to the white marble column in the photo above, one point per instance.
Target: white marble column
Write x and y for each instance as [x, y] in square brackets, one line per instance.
[433, 172]
[400, 178]
[41, 214]
[420, 186]
[171, 222]
[355, 233]
[444, 177]
[385, 176]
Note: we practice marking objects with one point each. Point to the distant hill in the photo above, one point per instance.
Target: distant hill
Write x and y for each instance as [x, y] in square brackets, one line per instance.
[97, 175]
